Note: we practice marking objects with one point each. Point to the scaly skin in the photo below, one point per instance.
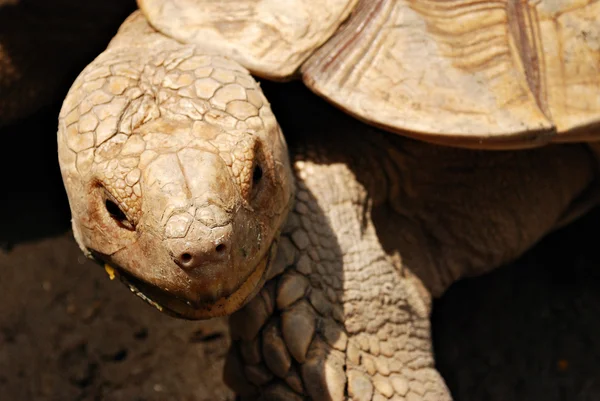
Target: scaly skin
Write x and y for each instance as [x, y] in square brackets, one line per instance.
[186, 146]
[159, 147]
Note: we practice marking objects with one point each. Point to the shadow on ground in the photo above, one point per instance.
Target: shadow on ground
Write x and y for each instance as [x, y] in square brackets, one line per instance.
[44, 44]
[528, 331]
[33, 202]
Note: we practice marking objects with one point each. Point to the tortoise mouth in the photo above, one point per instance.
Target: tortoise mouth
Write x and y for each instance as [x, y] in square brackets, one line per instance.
[178, 307]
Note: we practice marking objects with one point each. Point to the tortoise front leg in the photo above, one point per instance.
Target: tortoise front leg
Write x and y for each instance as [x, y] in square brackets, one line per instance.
[371, 237]
[343, 320]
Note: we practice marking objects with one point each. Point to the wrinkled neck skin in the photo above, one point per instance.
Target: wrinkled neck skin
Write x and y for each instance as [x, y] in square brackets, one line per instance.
[441, 213]
[445, 214]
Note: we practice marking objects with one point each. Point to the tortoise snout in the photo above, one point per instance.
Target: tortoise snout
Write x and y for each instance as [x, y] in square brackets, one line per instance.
[190, 254]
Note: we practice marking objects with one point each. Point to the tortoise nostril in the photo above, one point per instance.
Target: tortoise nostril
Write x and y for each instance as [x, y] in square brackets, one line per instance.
[209, 251]
[186, 258]
[192, 257]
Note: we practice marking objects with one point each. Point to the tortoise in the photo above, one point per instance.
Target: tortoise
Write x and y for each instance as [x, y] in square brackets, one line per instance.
[327, 246]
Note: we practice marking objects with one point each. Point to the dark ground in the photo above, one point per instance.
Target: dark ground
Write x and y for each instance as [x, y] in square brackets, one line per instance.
[528, 331]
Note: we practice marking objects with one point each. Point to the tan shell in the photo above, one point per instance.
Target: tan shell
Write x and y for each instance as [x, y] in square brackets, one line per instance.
[487, 74]
[271, 38]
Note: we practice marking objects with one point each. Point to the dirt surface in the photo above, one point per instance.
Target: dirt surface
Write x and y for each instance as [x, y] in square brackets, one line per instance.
[528, 331]
[68, 333]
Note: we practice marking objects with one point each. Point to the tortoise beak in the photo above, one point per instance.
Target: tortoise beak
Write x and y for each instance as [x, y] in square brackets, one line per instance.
[175, 306]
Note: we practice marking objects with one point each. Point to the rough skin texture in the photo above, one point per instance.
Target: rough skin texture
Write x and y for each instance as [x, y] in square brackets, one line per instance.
[173, 159]
[378, 225]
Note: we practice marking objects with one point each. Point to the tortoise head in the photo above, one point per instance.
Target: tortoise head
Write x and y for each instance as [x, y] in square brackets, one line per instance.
[177, 175]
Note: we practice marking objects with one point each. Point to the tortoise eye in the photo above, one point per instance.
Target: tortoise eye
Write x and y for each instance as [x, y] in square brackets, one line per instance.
[257, 174]
[114, 210]
[117, 214]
